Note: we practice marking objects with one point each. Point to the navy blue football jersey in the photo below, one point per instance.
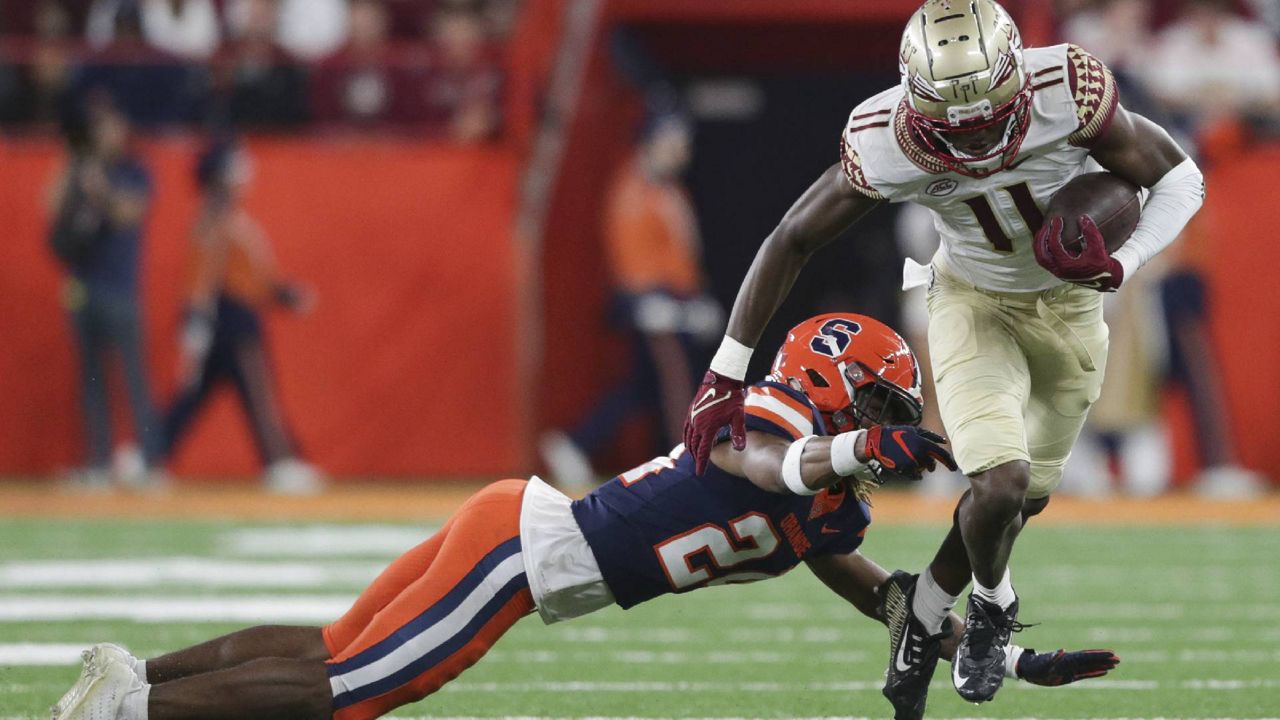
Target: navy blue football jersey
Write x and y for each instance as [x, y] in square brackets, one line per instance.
[659, 528]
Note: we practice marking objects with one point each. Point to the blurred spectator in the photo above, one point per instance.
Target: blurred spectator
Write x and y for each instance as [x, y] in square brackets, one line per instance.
[308, 29]
[405, 17]
[266, 88]
[463, 89]
[234, 280]
[653, 249]
[1193, 365]
[501, 17]
[1117, 32]
[1212, 62]
[361, 83]
[150, 85]
[1268, 13]
[99, 204]
[31, 94]
[185, 28]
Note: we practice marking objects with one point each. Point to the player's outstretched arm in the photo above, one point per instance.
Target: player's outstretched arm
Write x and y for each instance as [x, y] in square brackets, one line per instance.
[825, 210]
[810, 464]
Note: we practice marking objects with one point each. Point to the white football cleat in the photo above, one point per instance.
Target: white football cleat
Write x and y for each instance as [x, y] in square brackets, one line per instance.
[116, 653]
[292, 476]
[1230, 482]
[101, 688]
[570, 467]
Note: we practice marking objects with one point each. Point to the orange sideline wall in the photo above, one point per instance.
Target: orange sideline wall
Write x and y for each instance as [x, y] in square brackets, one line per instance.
[1240, 253]
[403, 369]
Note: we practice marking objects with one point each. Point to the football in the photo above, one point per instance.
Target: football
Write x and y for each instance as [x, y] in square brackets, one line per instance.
[1110, 200]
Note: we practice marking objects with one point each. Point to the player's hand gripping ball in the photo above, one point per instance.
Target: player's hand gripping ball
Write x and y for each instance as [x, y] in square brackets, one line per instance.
[718, 402]
[906, 450]
[1092, 267]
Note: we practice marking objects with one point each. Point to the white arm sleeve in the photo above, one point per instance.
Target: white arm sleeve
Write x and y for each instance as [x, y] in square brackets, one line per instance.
[1173, 200]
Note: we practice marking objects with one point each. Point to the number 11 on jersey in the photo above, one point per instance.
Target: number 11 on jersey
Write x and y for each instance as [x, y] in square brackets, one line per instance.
[986, 215]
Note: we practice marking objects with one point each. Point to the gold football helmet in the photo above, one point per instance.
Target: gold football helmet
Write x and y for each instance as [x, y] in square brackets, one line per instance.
[968, 93]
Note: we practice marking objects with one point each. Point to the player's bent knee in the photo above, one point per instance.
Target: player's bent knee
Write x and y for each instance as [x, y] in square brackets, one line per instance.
[1034, 506]
[1002, 490]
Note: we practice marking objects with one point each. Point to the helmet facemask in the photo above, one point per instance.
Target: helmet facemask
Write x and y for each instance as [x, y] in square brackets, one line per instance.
[878, 402]
[936, 134]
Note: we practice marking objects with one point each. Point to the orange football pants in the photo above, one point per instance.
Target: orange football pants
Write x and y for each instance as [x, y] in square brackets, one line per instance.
[433, 612]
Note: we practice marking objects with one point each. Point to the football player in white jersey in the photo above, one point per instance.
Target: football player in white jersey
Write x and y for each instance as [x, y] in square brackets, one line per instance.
[982, 133]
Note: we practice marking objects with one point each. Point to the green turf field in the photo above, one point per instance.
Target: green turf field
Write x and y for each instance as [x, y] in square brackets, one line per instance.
[1192, 612]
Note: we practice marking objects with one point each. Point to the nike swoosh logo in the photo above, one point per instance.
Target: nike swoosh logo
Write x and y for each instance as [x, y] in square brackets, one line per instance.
[1093, 283]
[897, 437]
[956, 678]
[899, 661]
[703, 403]
[828, 530]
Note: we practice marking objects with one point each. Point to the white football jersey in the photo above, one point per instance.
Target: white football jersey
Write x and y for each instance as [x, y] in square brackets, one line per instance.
[987, 224]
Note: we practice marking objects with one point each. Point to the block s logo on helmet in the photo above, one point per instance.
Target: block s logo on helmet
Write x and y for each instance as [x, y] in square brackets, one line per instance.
[834, 337]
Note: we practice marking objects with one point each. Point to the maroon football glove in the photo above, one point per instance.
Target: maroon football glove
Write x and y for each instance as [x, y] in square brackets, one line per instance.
[1093, 267]
[718, 402]
[906, 450]
[1063, 668]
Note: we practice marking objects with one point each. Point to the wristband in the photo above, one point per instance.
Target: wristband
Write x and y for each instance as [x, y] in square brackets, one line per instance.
[731, 359]
[791, 476]
[844, 456]
[1012, 654]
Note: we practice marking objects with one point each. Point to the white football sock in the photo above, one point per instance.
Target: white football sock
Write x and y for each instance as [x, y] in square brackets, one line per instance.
[135, 704]
[931, 603]
[140, 669]
[1002, 594]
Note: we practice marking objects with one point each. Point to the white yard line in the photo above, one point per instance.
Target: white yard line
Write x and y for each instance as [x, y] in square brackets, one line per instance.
[184, 571]
[41, 654]
[284, 609]
[660, 686]
[324, 540]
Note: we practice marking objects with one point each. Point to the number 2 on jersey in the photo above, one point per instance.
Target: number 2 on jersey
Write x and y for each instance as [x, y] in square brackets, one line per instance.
[753, 537]
[986, 215]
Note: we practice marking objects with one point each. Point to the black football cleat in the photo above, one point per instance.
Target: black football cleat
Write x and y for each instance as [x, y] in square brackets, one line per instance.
[978, 668]
[913, 652]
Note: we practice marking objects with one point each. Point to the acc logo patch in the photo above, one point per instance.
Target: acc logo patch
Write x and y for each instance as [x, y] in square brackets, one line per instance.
[938, 188]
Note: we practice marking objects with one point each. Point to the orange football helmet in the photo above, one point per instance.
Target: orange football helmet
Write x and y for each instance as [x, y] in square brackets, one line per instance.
[855, 369]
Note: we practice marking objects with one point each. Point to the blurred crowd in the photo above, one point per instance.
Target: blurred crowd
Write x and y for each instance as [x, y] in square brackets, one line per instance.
[1192, 66]
[426, 66]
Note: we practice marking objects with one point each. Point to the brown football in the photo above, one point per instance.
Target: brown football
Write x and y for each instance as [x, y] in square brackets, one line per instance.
[1111, 201]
